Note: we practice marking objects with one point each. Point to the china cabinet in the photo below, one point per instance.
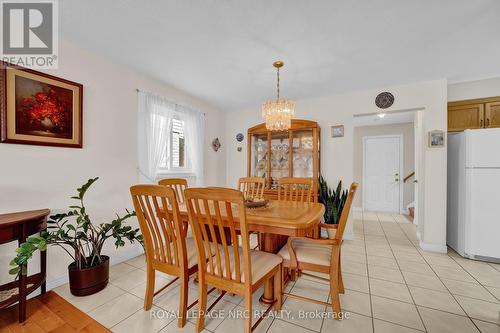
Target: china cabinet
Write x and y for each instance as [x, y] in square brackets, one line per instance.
[294, 153]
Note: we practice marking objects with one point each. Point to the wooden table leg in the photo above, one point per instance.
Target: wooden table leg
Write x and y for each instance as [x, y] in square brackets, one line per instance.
[22, 298]
[22, 281]
[271, 243]
[43, 268]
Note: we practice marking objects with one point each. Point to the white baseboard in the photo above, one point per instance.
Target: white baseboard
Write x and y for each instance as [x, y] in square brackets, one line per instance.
[54, 283]
[116, 259]
[348, 236]
[439, 248]
[135, 251]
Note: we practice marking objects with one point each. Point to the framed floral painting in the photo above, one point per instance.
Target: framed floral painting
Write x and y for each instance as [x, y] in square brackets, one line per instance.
[39, 109]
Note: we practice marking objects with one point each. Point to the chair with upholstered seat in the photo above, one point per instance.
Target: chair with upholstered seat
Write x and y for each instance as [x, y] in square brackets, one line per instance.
[168, 250]
[252, 187]
[295, 189]
[217, 214]
[320, 255]
[178, 185]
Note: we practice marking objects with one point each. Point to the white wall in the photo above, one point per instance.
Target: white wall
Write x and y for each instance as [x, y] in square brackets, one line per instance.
[474, 89]
[406, 130]
[33, 177]
[337, 153]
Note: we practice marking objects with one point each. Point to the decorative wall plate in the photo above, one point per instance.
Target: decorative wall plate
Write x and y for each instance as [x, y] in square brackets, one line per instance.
[216, 144]
[384, 100]
[239, 137]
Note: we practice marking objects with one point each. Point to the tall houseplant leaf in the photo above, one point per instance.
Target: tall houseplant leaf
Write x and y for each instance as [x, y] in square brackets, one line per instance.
[333, 199]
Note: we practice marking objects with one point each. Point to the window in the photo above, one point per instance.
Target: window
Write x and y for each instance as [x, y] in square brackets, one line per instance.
[170, 139]
[176, 149]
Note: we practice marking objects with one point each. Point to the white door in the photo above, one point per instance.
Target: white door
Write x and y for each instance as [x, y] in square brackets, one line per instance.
[382, 164]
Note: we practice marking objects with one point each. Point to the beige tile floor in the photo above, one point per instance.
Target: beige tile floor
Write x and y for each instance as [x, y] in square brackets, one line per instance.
[391, 286]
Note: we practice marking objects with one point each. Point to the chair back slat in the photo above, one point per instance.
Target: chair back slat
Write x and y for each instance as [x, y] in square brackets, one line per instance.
[162, 231]
[213, 238]
[214, 224]
[222, 233]
[159, 219]
[234, 240]
[345, 211]
[179, 185]
[206, 243]
[295, 189]
[252, 187]
[156, 231]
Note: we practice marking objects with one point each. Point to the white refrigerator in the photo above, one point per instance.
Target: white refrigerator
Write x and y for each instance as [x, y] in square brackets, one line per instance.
[473, 212]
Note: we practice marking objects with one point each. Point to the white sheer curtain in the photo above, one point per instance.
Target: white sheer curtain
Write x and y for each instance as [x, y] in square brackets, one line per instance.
[155, 124]
[154, 121]
[194, 133]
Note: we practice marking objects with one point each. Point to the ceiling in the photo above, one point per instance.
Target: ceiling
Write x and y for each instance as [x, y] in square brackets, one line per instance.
[389, 118]
[222, 50]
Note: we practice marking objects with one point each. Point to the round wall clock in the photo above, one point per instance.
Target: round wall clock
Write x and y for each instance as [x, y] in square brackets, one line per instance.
[384, 100]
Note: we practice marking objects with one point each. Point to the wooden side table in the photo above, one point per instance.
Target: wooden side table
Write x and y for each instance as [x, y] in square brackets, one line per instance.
[18, 226]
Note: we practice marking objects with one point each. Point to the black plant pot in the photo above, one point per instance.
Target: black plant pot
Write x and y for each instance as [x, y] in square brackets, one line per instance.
[90, 280]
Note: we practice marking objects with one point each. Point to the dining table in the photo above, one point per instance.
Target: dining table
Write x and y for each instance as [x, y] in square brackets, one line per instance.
[275, 222]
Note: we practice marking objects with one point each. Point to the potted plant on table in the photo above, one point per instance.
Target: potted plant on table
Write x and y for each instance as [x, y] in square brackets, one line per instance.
[334, 200]
[83, 241]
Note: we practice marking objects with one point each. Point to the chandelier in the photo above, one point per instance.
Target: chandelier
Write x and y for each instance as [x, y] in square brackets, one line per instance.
[278, 113]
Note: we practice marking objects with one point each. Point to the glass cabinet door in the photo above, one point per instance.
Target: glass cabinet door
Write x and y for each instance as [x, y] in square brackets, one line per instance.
[280, 158]
[259, 155]
[302, 145]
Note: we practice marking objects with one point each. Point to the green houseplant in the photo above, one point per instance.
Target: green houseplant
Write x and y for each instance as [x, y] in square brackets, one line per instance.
[82, 240]
[334, 200]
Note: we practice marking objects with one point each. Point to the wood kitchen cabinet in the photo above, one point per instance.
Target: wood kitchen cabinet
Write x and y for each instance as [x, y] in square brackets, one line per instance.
[473, 114]
[492, 114]
[465, 116]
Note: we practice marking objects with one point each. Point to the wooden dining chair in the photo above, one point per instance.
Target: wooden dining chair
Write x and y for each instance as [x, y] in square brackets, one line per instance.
[178, 185]
[167, 248]
[320, 255]
[217, 214]
[295, 189]
[252, 187]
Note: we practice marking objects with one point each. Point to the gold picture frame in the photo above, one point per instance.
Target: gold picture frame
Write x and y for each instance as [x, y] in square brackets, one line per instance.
[39, 109]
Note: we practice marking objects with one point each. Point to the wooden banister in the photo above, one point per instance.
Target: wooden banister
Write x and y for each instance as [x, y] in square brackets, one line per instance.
[408, 177]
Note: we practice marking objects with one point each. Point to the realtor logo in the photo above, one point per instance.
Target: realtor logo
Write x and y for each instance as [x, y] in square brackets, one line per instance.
[29, 33]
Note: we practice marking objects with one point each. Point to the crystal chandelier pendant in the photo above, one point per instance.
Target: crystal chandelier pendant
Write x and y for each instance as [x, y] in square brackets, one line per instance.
[278, 113]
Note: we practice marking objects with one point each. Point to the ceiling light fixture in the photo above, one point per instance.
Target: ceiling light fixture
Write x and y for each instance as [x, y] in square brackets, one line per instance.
[278, 113]
[381, 115]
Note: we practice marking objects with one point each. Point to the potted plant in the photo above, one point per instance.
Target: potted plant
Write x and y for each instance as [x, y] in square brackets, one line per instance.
[83, 242]
[334, 200]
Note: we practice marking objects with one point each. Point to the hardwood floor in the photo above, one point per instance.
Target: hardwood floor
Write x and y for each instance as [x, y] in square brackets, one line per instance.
[49, 313]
